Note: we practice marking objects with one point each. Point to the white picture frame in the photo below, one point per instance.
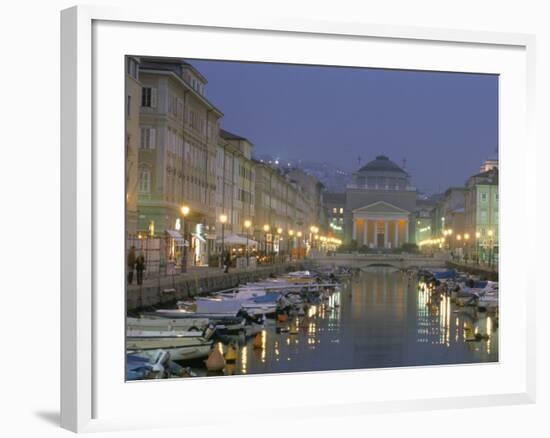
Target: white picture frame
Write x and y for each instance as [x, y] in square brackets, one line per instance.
[92, 400]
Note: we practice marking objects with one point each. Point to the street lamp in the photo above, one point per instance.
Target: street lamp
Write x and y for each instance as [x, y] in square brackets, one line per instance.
[466, 243]
[266, 230]
[490, 234]
[290, 242]
[223, 220]
[247, 225]
[184, 211]
[299, 236]
[279, 232]
[314, 230]
[478, 236]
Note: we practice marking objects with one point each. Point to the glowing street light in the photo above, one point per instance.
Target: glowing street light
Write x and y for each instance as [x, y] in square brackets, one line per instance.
[490, 234]
[247, 225]
[266, 230]
[290, 242]
[223, 220]
[184, 211]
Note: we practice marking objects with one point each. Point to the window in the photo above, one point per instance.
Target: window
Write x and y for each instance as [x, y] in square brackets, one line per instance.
[334, 210]
[148, 138]
[341, 210]
[483, 197]
[144, 185]
[132, 68]
[483, 216]
[149, 97]
[128, 105]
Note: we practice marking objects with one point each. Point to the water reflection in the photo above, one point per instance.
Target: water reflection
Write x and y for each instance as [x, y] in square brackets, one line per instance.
[379, 319]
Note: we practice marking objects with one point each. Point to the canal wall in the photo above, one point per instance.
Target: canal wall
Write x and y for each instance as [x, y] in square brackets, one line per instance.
[189, 286]
[486, 273]
[398, 261]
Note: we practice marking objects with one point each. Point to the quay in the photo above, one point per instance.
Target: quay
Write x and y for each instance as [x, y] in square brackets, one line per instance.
[483, 271]
[398, 261]
[170, 288]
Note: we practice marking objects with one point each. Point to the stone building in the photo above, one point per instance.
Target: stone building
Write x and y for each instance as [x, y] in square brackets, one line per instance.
[133, 100]
[313, 189]
[282, 205]
[380, 202]
[177, 157]
[481, 214]
[335, 204]
[423, 219]
[235, 182]
[448, 217]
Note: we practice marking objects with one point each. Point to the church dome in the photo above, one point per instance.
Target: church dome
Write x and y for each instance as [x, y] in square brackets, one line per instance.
[382, 164]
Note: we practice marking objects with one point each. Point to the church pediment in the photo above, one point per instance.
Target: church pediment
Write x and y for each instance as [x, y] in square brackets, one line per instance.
[380, 207]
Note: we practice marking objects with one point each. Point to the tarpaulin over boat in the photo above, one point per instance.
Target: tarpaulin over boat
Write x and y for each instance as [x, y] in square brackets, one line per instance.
[451, 273]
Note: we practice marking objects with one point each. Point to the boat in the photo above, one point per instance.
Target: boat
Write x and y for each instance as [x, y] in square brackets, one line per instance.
[144, 368]
[261, 305]
[180, 345]
[167, 324]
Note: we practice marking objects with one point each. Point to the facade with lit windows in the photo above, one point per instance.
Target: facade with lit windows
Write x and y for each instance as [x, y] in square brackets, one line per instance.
[481, 215]
[179, 137]
[335, 204]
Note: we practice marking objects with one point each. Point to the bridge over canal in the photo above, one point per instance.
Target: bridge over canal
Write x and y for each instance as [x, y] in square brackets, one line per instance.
[399, 261]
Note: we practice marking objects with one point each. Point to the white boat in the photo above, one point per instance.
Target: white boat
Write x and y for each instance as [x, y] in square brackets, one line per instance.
[230, 306]
[218, 305]
[222, 321]
[488, 301]
[166, 324]
[180, 345]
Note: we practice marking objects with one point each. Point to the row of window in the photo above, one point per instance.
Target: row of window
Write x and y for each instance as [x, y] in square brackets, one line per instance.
[483, 217]
[483, 196]
[175, 108]
[336, 210]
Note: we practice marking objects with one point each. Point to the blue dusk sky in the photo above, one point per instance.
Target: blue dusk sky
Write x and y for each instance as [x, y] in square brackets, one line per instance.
[443, 124]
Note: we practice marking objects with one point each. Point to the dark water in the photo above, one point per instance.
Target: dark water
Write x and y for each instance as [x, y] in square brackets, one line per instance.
[379, 319]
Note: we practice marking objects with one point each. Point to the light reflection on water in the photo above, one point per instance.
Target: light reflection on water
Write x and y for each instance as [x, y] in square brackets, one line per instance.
[379, 319]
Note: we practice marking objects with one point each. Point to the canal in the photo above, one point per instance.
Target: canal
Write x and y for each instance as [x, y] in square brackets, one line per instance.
[380, 318]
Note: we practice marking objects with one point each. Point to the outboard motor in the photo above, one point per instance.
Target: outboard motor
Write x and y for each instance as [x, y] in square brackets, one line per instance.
[209, 332]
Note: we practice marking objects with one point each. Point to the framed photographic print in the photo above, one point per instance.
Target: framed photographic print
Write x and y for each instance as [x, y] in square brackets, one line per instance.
[262, 206]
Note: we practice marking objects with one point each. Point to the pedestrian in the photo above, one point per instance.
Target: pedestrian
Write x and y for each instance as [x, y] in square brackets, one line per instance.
[140, 267]
[130, 263]
[227, 262]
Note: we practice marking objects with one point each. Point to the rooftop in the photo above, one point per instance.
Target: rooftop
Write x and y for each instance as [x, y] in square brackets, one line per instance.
[382, 163]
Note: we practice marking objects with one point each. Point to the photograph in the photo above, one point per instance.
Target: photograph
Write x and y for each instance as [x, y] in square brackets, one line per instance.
[291, 218]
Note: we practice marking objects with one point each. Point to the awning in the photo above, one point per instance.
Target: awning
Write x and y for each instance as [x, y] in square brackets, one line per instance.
[234, 239]
[180, 241]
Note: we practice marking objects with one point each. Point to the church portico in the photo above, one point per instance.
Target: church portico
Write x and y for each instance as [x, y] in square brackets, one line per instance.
[380, 225]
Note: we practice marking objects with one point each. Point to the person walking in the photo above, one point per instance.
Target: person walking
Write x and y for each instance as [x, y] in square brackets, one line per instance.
[227, 262]
[131, 263]
[140, 267]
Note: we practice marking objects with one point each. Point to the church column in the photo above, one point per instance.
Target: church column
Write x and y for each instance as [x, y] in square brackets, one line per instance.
[365, 225]
[407, 231]
[385, 233]
[395, 234]
[354, 229]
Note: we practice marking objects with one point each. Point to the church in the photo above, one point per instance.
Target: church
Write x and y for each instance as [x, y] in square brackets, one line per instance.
[380, 203]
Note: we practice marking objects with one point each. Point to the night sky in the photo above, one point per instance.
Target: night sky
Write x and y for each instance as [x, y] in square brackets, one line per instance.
[443, 124]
